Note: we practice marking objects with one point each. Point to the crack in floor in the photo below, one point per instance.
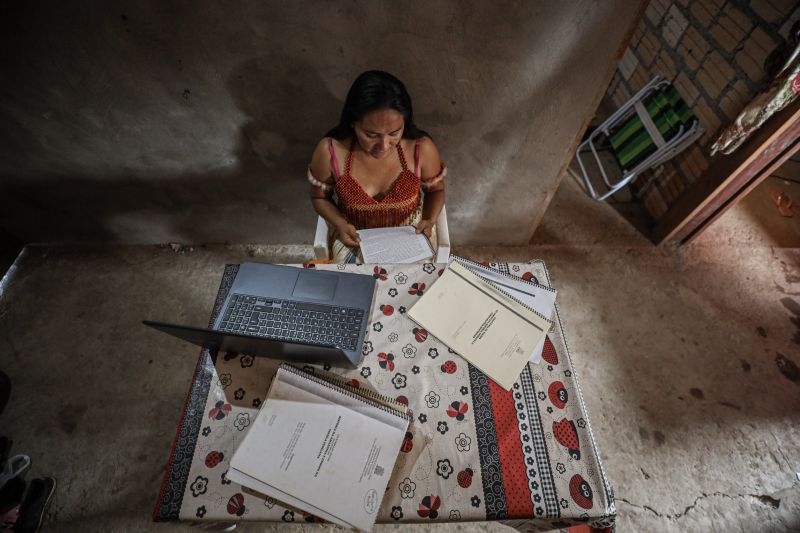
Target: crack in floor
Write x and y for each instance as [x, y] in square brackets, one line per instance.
[765, 499]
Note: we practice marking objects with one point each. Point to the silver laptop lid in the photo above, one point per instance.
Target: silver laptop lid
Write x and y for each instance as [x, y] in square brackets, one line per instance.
[322, 306]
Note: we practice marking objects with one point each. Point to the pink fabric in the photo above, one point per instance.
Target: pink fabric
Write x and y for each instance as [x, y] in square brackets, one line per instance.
[333, 157]
[416, 158]
[9, 518]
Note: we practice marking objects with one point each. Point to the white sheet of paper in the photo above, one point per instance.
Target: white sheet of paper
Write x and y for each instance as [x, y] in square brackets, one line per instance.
[481, 323]
[540, 299]
[326, 453]
[394, 245]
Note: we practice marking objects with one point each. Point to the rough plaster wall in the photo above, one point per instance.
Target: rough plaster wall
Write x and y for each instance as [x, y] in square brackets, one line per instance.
[147, 122]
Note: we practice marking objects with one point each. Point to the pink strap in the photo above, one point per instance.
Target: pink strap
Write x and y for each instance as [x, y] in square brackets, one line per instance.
[333, 157]
[416, 157]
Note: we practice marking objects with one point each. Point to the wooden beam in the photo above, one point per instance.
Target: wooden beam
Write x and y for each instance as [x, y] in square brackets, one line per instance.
[741, 193]
[727, 175]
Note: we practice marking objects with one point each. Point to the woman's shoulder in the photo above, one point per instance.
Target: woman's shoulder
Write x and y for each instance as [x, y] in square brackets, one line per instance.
[428, 154]
[320, 150]
[325, 143]
[338, 144]
[323, 149]
[426, 145]
[321, 160]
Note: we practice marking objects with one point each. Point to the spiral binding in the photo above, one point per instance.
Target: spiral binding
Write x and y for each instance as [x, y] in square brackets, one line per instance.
[479, 266]
[484, 280]
[338, 384]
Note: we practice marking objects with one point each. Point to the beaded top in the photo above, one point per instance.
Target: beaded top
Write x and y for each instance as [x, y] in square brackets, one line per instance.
[364, 211]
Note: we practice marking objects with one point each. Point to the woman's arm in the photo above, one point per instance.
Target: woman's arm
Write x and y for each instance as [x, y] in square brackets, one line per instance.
[431, 171]
[321, 197]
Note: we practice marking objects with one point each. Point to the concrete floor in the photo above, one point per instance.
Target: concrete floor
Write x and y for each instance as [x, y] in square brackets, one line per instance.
[696, 422]
[762, 218]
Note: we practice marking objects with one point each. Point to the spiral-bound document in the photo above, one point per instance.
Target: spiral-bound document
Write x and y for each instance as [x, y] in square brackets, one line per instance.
[487, 327]
[538, 297]
[322, 447]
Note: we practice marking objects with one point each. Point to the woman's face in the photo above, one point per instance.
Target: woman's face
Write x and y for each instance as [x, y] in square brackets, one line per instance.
[378, 132]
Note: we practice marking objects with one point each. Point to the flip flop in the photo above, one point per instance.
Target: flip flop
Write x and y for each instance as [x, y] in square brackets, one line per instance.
[14, 466]
[11, 503]
[32, 510]
[783, 201]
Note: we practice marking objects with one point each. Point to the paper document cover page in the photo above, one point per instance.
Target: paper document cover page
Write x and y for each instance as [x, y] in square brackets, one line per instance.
[333, 458]
[485, 326]
[539, 298]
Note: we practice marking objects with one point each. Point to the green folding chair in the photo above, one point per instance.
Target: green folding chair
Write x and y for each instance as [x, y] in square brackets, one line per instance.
[652, 127]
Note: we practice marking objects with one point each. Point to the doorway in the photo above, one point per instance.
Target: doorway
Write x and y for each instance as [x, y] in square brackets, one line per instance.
[730, 178]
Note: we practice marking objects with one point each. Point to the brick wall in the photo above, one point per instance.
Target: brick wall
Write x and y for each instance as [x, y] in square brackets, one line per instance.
[714, 52]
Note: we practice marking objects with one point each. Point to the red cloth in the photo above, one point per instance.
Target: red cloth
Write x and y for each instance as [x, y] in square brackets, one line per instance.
[364, 211]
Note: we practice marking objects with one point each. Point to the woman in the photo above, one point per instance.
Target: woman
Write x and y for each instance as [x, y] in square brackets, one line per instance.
[392, 174]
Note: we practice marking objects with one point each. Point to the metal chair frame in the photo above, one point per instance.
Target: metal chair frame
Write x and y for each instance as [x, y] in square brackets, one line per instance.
[665, 148]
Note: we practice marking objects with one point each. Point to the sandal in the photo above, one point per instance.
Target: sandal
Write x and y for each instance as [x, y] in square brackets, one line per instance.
[31, 514]
[11, 503]
[783, 201]
[13, 467]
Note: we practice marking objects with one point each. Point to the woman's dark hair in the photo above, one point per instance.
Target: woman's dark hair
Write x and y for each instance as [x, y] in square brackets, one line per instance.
[373, 90]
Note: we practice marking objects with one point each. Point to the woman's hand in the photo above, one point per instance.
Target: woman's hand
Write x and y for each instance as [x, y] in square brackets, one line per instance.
[348, 235]
[425, 226]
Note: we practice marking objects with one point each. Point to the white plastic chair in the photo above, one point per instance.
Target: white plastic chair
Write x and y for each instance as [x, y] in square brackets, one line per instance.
[323, 253]
[665, 148]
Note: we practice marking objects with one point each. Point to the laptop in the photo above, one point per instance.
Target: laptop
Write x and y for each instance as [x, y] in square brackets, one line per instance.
[293, 314]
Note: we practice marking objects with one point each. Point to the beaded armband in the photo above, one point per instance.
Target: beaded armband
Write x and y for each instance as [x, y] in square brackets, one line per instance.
[430, 182]
[316, 183]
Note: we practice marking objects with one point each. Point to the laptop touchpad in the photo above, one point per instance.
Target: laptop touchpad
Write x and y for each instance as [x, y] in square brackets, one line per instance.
[315, 285]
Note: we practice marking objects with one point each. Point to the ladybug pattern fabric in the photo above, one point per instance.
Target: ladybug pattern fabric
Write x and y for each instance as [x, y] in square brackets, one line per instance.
[580, 491]
[558, 394]
[567, 435]
[473, 452]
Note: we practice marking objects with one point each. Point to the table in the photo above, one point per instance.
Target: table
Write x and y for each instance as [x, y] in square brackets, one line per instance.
[526, 457]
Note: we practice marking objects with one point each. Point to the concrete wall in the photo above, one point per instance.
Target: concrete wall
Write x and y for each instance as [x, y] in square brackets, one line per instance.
[193, 122]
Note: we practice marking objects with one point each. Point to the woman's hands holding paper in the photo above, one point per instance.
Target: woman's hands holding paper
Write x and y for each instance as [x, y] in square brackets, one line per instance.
[348, 235]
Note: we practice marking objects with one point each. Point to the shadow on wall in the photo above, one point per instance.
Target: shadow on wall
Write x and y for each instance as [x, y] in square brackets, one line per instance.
[10, 247]
[262, 185]
[503, 106]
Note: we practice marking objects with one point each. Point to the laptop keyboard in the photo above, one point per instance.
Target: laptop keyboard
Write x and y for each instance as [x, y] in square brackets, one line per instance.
[323, 325]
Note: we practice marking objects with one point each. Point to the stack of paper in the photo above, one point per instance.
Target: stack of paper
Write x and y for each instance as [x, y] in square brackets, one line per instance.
[321, 447]
[485, 325]
[538, 297]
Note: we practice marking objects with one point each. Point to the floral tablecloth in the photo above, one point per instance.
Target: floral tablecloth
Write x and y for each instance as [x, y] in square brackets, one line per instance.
[526, 457]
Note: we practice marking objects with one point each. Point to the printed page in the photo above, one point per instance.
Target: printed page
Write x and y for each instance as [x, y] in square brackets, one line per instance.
[287, 499]
[484, 325]
[540, 299]
[394, 245]
[323, 455]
